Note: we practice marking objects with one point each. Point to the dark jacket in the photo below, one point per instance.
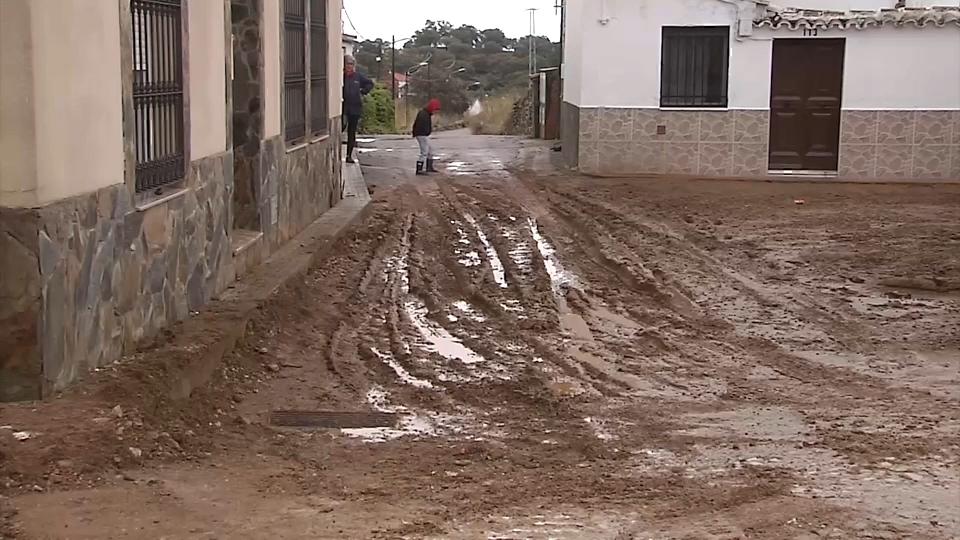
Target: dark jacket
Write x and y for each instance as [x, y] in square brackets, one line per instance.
[354, 88]
[423, 125]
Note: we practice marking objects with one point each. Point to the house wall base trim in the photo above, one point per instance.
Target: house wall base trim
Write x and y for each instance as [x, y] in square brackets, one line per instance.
[876, 145]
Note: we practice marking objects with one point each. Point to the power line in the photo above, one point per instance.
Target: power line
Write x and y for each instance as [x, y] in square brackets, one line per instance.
[349, 20]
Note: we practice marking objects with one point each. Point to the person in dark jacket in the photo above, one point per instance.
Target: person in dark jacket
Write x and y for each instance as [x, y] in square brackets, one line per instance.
[422, 129]
[355, 86]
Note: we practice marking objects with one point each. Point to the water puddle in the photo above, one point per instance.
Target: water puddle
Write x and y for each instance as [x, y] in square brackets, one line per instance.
[466, 257]
[437, 338]
[469, 311]
[495, 263]
[401, 372]
[366, 140]
[559, 276]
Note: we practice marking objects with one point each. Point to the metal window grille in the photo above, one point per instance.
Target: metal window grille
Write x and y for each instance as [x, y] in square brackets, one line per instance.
[693, 69]
[295, 69]
[158, 92]
[319, 113]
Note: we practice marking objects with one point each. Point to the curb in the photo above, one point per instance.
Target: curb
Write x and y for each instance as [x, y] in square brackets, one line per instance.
[227, 317]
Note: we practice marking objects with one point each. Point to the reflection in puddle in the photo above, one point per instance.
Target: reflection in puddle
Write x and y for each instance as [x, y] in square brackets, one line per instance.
[401, 372]
[495, 264]
[410, 423]
[467, 258]
[559, 277]
[438, 339]
[467, 309]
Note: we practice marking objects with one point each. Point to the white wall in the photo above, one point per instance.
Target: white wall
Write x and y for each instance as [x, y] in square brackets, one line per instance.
[62, 133]
[272, 68]
[885, 68]
[573, 51]
[208, 90]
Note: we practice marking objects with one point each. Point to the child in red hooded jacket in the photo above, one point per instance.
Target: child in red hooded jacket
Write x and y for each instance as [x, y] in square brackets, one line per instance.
[422, 128]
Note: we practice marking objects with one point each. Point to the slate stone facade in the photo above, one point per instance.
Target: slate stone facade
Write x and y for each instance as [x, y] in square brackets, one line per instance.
[247, 111]
[84, 279]
[92, 275]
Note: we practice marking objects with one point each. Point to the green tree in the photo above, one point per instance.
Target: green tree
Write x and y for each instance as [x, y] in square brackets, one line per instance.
[378, 116]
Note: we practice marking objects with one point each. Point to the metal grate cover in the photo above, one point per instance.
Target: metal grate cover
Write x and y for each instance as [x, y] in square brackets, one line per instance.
[332, 419]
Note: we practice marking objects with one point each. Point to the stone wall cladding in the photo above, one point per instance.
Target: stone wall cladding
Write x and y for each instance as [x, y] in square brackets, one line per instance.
[734, 143]
[300, 184]
[247, 111]
[570, 134]
[109, 275]
[900, 144]
[20, 305]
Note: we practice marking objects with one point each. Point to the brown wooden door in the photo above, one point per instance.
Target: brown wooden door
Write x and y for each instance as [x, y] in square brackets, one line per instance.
[806, 87]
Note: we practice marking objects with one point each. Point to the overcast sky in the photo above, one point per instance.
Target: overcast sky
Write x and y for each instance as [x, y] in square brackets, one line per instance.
[383, 18]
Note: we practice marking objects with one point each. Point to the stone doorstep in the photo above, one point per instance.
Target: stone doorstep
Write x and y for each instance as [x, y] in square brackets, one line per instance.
[227, 316]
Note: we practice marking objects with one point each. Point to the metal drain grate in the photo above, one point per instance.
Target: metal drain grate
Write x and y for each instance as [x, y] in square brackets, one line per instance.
[332, 419]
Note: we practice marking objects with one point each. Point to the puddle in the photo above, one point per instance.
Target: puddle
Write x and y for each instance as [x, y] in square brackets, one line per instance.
[495, 263]
[438, 339]
[367, 140]
[559, 277]
[521, 254]
[468, 258]
[411, 424]
[402, 373]
[600, 429]
[468, 310]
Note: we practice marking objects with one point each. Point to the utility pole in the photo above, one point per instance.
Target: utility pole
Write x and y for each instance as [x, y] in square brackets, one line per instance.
[532, 42]
[393, 67]
[563, 31]
[429, 82]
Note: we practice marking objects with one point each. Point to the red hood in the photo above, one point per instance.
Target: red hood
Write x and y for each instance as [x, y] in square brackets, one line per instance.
[433, 105]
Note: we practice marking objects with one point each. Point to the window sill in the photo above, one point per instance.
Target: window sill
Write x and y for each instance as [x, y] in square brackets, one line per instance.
[148, 199]
[694, 109]
[300, 145]
[319, 137]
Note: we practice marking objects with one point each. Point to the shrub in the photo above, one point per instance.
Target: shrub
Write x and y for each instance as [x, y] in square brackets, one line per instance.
[378, 112]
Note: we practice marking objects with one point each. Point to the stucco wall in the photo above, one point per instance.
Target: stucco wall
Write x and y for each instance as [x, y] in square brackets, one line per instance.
[18, 164]
[621, 66]
[207, 83]
[334, 56]
[273, 71]
[61, 124]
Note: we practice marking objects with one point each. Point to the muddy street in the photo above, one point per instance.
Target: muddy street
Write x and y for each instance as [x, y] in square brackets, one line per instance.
[543, 355]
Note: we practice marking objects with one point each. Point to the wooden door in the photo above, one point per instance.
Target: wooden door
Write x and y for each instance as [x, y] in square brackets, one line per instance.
[806, 88]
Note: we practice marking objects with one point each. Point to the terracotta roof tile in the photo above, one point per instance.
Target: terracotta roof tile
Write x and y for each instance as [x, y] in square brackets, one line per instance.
[794, 18]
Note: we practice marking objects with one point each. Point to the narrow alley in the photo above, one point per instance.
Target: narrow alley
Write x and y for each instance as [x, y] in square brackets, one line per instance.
[507, 351]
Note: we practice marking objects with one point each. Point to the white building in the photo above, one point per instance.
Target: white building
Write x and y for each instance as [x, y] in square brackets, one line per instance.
[349, 44]
[745, 88]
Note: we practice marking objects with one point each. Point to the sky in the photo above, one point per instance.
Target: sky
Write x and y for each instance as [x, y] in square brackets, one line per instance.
[374, 19]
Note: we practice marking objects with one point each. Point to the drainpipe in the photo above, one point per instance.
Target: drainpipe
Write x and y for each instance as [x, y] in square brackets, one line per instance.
[604, 19]
[745, 11]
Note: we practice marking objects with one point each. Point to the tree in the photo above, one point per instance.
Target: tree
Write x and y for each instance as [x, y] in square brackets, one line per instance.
[485, 61]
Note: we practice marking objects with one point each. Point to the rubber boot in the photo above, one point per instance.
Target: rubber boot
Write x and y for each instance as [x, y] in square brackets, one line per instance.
[420, 171]
[430, 168]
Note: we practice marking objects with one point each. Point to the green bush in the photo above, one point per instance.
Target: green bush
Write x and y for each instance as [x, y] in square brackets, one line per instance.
[378, 112]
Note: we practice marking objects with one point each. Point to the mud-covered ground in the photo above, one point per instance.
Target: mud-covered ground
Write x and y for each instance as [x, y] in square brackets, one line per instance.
[574, 358]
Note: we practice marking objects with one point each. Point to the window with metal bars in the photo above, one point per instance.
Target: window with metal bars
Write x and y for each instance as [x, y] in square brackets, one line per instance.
[693, 66]
[158, 92]
[319, 115]
[294, 70]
